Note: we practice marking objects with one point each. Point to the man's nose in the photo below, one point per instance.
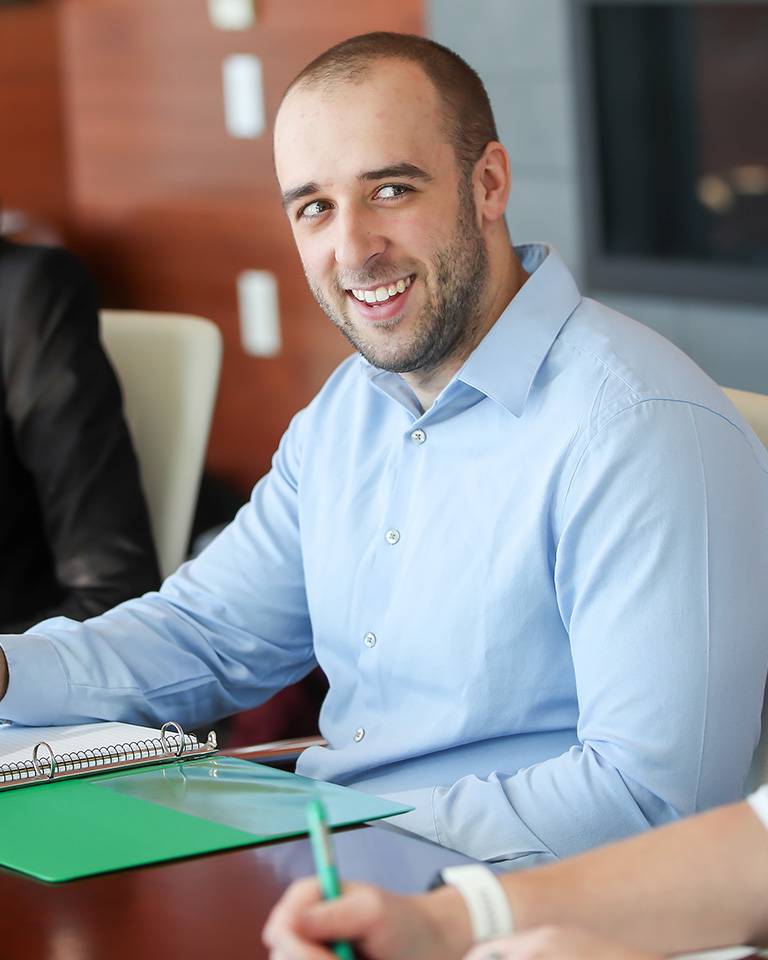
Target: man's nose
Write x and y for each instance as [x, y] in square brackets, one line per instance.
[357, 239]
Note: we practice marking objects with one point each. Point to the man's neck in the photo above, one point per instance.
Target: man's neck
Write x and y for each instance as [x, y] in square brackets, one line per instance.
[427, 386]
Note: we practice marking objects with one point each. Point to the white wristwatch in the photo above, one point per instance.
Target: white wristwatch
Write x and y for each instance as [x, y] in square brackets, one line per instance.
[489, 912]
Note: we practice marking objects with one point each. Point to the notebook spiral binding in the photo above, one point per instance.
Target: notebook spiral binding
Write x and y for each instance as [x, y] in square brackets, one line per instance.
[172, 744]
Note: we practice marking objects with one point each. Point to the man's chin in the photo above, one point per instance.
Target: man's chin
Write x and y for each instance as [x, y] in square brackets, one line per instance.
[380, 354]
[383, 347]
[392, 360]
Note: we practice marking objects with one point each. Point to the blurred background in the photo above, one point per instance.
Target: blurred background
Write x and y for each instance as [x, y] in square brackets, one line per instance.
[137, 133]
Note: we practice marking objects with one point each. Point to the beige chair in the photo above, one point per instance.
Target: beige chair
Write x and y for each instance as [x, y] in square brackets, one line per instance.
[168, 365]
[754, 408]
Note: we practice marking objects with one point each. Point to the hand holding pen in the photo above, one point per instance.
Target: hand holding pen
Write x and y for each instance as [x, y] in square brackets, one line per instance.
[325, 865]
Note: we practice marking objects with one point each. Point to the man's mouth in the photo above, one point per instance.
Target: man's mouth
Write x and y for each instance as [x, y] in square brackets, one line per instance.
[385, 293]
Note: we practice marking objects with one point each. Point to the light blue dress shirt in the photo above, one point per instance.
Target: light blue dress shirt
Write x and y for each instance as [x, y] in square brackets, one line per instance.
[541, 604]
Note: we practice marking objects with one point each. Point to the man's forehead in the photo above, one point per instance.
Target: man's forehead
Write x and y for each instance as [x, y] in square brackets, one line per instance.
[391, 111]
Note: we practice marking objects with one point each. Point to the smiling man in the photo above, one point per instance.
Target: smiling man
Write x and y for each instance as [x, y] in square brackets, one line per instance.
[403, 241]
[518, 531]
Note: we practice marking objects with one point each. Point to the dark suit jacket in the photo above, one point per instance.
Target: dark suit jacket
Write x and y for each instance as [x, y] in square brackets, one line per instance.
[74, 531]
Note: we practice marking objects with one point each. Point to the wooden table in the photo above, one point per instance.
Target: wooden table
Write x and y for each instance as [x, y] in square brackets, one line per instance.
[211, 907]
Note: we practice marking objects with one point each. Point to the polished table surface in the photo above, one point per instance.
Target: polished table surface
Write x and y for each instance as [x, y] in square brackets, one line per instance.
[209, 907]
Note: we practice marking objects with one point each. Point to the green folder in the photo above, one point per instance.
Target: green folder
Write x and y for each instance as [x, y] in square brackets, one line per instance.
[76, 828]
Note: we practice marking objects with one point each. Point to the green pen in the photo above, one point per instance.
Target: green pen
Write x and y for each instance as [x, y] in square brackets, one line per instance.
[325, 865]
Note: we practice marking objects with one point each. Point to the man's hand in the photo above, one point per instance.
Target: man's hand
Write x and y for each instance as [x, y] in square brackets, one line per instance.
[381, 925]
[556, 943]
[3, 673]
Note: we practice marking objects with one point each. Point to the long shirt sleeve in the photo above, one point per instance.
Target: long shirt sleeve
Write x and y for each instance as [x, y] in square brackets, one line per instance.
[657, 552]
[224, 633]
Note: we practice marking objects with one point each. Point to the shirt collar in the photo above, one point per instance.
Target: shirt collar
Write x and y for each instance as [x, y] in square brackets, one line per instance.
[506, 361]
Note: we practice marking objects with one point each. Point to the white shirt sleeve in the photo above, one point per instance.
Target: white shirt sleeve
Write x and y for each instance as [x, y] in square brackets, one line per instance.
[759, 803]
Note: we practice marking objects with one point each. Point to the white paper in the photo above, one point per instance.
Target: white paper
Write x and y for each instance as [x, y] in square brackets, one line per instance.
[17, 742]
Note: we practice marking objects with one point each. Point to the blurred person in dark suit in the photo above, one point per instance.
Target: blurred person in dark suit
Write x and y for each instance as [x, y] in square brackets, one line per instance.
[74, 532]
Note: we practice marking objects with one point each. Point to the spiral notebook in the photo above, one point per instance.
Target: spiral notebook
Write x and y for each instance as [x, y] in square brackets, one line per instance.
[107, 797]
[30, 755]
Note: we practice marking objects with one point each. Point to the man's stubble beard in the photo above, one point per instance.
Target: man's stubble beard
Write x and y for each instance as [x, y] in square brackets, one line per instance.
[448, 323]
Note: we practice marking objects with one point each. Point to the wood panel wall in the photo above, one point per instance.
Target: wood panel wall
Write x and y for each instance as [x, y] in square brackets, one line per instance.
[163, 204]
[32, 155]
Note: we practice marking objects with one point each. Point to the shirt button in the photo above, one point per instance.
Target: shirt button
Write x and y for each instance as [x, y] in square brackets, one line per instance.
[370, 639]
[359, 734]
[418, 436]
[393, 536]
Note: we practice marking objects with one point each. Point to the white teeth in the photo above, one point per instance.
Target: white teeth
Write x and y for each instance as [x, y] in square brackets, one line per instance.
[382, 294]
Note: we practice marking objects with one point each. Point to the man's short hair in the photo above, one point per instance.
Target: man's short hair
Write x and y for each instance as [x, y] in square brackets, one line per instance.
[469, 120]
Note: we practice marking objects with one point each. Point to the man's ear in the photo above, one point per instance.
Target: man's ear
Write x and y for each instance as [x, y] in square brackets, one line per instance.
[491, 180]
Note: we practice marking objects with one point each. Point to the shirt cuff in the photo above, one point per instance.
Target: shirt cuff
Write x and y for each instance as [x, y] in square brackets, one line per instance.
[38, 687]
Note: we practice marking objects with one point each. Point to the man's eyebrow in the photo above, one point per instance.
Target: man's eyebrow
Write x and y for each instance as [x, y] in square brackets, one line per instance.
[406, 170]
[297, 193]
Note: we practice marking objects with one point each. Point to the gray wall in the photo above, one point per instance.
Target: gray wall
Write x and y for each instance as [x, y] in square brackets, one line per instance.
[522, 50]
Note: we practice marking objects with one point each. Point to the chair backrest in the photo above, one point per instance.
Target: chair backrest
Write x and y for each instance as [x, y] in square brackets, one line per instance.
[168, 366]
[754, 408]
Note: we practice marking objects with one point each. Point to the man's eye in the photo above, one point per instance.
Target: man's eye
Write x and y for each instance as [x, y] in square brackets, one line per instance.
[391, 191]
[314, 209]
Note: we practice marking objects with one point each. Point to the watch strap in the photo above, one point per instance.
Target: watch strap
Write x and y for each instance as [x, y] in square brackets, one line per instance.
[489, 911]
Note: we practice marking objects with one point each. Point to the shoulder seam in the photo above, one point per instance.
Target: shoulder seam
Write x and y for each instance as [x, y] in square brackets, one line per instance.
[659, 399]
